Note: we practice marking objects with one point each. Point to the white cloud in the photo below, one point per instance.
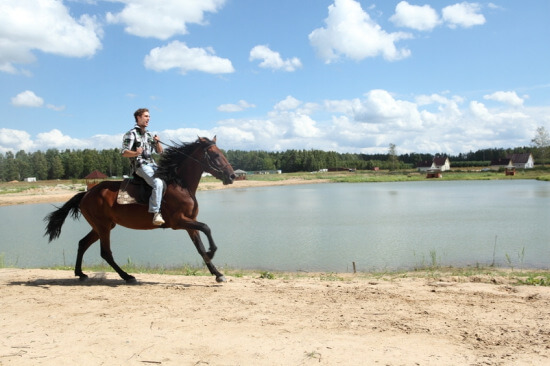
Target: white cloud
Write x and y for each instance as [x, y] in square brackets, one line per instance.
[27, 99]
[176, 55]
[353, 134]
[30, 99]
[162, 19]
[426, 123]
[381, 107]
[446, 106]
[288, 103]
[508, 97]
[15, 140]
[464, 15]
[240, 106]
[249, 134]
[57, 108]
[350, 32]
[342, 106]
[480, 111]
[422, 18]
[304, 126]
[234, 136]
[46, 26]
[273, 60]
[184, 134]
[56, 139]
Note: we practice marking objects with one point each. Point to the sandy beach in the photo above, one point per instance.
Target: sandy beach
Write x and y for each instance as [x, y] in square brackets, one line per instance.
[49, 317]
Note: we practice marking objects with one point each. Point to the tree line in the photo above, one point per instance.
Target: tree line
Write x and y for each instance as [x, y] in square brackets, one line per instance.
[68, 164]
[77, 164]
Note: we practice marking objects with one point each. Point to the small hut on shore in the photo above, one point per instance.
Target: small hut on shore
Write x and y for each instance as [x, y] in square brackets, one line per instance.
[94, 178]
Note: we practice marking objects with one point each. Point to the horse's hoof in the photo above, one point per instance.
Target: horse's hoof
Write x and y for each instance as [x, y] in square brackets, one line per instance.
[221, 279]
[82, 277]
[131, 281]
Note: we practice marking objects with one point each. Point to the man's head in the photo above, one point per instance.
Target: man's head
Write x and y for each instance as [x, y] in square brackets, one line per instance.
[142, 117]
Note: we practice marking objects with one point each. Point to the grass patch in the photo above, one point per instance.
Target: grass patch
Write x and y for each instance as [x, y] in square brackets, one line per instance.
[533, 278]
[477, 273]
[331, 277]
[267, 275]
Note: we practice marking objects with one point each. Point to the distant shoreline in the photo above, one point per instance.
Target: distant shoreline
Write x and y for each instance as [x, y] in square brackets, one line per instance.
[57, 194]
[62, 191]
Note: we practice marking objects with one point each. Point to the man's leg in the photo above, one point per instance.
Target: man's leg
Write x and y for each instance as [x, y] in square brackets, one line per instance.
[146, 172]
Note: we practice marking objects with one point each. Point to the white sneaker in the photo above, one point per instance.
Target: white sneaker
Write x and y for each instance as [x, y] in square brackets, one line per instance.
[157, 219]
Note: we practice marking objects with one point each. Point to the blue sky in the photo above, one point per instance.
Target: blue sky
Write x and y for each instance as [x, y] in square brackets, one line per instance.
[340, 75]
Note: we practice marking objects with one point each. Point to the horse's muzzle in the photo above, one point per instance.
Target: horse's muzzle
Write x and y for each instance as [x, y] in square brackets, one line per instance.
[228, 178]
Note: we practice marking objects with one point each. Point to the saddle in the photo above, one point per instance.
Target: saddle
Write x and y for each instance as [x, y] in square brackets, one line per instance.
[135, 190]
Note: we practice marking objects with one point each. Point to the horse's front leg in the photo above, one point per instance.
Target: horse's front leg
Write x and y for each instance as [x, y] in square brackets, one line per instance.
[206, 256]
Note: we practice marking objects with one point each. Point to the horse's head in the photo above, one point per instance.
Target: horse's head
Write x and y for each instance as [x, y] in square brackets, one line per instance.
[215, 162]
[183, 163]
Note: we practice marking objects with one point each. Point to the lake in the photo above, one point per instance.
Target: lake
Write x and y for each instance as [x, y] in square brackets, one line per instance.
[322, 227]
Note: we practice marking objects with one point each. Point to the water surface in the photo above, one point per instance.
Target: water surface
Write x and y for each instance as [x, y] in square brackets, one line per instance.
[323, 227]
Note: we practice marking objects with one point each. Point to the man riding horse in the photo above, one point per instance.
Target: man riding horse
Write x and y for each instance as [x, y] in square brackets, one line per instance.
[138, 144]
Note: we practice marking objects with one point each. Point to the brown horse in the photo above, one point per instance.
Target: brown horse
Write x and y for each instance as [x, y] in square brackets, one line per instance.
[181, 168]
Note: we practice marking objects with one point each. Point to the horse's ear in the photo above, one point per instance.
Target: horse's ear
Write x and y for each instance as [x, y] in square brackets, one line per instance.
[214, 139]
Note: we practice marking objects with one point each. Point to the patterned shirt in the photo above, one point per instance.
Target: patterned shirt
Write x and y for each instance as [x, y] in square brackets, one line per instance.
[134, 139]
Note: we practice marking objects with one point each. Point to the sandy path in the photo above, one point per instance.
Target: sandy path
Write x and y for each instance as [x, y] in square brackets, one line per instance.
[49, 318]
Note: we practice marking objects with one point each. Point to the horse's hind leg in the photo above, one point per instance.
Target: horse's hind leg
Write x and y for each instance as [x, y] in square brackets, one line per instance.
[206, 256]
[105, 241]
[83, 245]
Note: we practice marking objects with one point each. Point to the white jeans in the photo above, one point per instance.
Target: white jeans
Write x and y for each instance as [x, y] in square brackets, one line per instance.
[146, 171]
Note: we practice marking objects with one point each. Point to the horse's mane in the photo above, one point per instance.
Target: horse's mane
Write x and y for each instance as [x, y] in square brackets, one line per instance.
[171, 159]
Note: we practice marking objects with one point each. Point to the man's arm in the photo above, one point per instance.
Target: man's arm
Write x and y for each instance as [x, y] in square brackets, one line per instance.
[127, 144]
[132, 154]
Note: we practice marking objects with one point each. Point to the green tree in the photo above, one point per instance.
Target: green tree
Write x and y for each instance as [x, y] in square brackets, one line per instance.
[55, 164]
[24, 165]
[73, 164]
[39, 165]
[10, 167]
[393, 161]
[91, 161]
[542, 142]
[2, 167]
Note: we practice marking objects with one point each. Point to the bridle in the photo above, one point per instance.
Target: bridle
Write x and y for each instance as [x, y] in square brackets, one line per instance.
[209, 161]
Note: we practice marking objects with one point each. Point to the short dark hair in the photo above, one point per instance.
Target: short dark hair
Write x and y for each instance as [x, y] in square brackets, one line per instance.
[139, 112]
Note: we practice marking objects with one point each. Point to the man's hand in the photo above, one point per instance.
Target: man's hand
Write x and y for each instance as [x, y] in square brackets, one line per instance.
[158, 146]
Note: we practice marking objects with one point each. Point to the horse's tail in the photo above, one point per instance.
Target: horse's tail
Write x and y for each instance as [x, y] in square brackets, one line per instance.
[56, 218]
